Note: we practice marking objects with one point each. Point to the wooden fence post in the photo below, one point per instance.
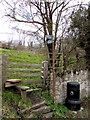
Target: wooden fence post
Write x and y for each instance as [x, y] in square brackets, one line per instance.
[4, 70]
[45, 73]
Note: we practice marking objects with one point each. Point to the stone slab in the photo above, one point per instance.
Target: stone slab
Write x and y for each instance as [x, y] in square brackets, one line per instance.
[13, 80]
[31, 90]
[23, 87]
[48, 115]
[41, 110]
[8, 84]
[36, 106]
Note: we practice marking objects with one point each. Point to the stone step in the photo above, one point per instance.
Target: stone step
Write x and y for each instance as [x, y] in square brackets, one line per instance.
[36, 106]
[24, 90]
[31, 90]
[9, 84]
[22, 87]
[13, 80]
[41, 110]
[31, 116]
[48, 115]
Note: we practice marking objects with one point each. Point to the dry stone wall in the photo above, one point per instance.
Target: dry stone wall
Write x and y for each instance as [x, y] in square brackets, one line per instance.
[61, 85]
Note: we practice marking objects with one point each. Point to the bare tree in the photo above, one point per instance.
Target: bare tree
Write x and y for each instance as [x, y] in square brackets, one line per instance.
[47, 18]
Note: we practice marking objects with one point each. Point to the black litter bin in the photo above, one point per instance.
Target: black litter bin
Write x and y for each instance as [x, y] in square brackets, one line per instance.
[73, 96]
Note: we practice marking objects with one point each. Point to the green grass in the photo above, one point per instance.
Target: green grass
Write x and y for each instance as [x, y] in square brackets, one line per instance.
[72, 64]
[23, 57]
[27, 78]
[11, 99]
[13, 103]
[19, 66]
[23, 72]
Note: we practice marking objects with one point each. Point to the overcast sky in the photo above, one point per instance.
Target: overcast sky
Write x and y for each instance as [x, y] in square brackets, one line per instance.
[6, 33]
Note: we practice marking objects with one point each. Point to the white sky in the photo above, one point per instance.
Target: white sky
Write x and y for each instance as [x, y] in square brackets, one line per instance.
[6, 33]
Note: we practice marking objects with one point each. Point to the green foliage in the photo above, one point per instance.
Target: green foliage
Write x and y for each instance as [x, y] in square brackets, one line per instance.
[80, 30]
[80, 26]
[59, 110]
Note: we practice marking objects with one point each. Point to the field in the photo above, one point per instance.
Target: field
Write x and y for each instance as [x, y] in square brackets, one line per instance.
[23, 57]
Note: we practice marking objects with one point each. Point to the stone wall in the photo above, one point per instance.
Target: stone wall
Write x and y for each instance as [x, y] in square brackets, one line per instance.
[61, 85]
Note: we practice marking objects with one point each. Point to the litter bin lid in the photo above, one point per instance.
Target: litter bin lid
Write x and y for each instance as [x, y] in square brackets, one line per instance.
[73, 83]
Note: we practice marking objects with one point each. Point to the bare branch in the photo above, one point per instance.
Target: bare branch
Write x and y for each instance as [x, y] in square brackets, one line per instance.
[52, 6]
[57, 7]
[8, 3]
[75, 6]
[13, 17]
